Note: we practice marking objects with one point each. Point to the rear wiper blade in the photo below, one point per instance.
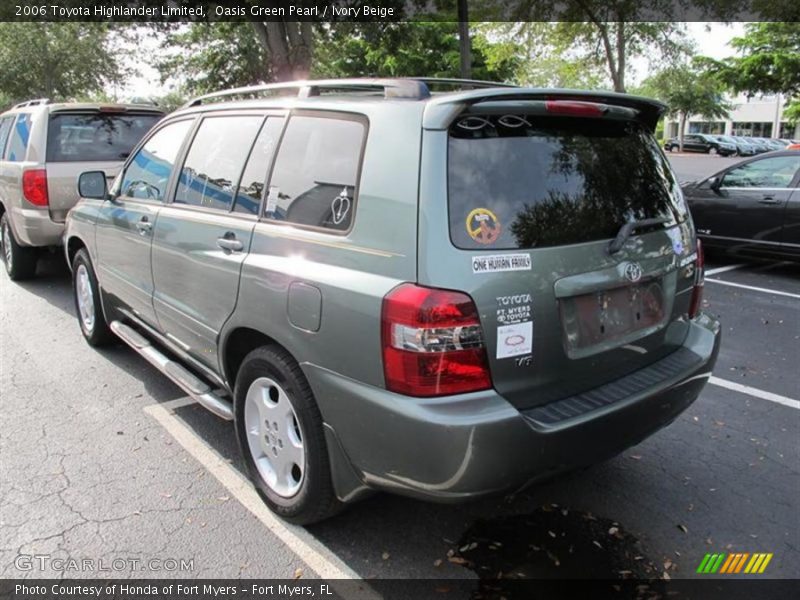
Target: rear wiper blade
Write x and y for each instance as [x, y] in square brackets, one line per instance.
[626, 230]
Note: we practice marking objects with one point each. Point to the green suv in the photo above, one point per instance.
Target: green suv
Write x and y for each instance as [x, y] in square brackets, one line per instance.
[438, 288]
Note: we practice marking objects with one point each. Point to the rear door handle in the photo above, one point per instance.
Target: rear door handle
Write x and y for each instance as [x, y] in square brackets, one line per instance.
[144, 225]
[229, 242]
[769, 199]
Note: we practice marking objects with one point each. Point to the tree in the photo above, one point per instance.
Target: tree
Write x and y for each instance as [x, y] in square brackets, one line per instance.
[604, 33]
[402, 49]
[769, 63]
[59, 61]
[205, 57]
[687, 92]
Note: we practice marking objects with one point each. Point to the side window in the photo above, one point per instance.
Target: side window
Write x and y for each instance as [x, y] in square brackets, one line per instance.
[775, 172]
[215, 161]
[5, 129]
[148, 174]
[251, 187]
[315, 175]
[20, 134]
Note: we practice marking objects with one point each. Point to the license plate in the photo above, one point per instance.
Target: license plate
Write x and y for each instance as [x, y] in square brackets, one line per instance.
[609, 315]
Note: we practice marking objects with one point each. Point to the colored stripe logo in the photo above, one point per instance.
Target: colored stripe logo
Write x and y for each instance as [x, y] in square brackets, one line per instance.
[731, 564]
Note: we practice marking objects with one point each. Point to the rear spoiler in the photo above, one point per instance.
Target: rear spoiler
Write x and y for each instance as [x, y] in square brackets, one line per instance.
[441, 111]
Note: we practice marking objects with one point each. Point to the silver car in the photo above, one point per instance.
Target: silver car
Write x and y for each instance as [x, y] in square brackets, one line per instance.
[43, 149]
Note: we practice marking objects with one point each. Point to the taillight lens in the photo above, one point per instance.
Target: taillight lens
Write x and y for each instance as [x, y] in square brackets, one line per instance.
[699, 282]
[432, 343]
[34, 187]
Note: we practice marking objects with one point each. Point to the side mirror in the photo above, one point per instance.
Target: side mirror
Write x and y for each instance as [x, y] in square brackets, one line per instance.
[93, 185]
[715, 183]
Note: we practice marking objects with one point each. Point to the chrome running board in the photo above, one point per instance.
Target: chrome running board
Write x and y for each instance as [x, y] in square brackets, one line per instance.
[196, 388]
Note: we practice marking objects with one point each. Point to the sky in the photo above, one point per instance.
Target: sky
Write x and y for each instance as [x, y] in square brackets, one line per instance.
[711, 38]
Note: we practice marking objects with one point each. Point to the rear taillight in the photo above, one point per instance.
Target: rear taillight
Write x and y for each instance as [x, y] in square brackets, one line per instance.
[699, 281]
[575, 108]
[34, 187]
[432, 343]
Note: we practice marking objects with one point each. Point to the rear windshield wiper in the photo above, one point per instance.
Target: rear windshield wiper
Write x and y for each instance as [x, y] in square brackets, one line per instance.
[626, 230]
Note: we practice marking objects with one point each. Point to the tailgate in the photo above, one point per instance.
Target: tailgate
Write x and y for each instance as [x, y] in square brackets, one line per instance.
[518, 209]
[62, 183]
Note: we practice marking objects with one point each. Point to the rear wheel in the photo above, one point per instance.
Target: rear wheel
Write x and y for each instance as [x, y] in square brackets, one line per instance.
[20, 262]
[712, 150]
[279, 430]
[87, 302]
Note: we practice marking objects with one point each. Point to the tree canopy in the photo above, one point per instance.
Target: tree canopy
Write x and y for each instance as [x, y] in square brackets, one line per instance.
[59, 61]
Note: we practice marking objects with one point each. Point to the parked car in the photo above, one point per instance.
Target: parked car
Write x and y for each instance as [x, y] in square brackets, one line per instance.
[742, 147]
[443, 296]
[43, 149]
[698, 142]
[760, 144]
[751, 208]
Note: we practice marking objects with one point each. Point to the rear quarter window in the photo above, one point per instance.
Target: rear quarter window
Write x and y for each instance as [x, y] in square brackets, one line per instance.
[316, 172]
[527, 181]
[95, 137]
[5, 130]
[20, 136]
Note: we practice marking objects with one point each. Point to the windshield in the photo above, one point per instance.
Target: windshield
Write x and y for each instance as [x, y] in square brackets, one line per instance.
[524, 181]
[95, 136]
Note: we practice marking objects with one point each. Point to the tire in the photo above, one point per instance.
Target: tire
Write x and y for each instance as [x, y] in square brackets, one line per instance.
[86, 293]
[279, 426]
[20, 262]
[712, 151]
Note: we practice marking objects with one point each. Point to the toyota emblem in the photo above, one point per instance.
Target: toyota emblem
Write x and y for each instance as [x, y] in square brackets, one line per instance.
[633, 272]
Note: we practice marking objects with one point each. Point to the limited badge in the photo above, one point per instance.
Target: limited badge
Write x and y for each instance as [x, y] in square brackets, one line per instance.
[483, 226]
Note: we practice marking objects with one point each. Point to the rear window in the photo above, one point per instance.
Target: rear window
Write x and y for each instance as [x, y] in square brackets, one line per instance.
[526, 181]
[95, 136]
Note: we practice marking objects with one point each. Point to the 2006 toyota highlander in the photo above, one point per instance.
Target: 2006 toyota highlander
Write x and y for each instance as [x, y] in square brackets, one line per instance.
[440, 294]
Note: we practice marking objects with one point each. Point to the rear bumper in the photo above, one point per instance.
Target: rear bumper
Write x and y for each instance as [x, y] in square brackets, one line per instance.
[460, 447]
[34, 227]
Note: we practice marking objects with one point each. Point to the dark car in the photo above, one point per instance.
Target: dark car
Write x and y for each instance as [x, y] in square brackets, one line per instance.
[751, 208]
[743, 148]
[700, 142]
[761, 145]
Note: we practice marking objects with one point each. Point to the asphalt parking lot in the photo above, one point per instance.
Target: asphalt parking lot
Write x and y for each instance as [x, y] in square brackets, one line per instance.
[103, 458]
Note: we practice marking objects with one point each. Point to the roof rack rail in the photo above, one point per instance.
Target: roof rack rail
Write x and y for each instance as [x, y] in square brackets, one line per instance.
[392, 88]
[410, 88]
[34, 102]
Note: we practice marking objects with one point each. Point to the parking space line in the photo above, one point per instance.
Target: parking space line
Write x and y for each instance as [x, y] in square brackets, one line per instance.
[757, 393]
[312, 552]
[724, 269]
[753, 288]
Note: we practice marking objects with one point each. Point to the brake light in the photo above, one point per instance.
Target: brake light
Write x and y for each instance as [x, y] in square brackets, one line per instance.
[699, 282]
[432, 342]
[34, 187]
[575, 108]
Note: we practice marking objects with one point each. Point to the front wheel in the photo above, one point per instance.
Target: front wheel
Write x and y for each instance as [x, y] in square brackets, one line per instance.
[86, 291]
[280, 434]
[19, 261]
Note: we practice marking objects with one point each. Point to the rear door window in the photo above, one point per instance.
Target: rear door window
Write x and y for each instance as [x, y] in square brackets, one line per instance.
[95, 136]
[525, 181]
[20, 135]
[316, 172]
[148, 174]
[215, 161]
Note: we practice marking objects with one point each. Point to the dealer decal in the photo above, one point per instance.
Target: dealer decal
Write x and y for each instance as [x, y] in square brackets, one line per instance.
[495, 263]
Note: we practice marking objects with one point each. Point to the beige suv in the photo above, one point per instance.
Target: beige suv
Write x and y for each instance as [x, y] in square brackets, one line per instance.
[43, 149]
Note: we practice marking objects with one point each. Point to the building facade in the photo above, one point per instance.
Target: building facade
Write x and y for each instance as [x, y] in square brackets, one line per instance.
[757, 116]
